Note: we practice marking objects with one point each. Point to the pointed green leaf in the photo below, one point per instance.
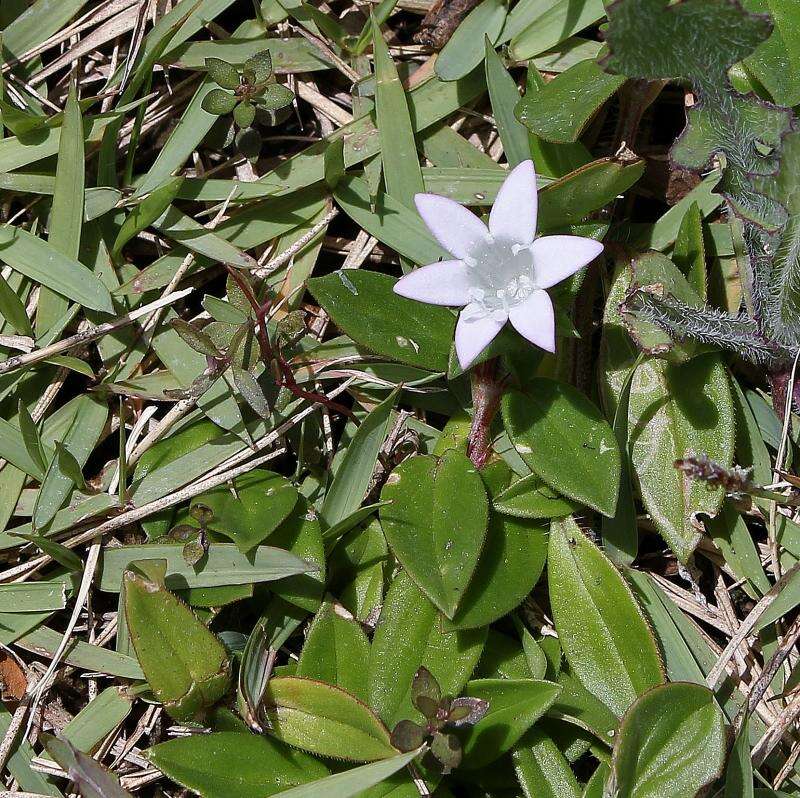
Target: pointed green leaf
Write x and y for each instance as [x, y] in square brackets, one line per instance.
[504, 96]
[435, 523]
[259, 502]
[354, 473]
[602, 630]
[66, 211]
[274, 97]
[233, 764]
[409, 635]
[542, 768]
[324, 720]
[363, 306]
[560, 111]
[43, 263]
[465, 48]
[355, 781]
[514, 706]
[186, 666]
[89, 776]
[510, 564]
[222, 73]
[553, 423]
[260, 64]
[398, 149]
[336, 651]
[147, 211]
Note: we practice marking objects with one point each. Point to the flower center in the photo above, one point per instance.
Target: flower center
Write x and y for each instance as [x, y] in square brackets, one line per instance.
[502, 275]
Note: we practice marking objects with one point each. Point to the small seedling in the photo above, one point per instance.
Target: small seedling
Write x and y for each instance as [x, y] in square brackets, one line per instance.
[441, 712]
[242, 92]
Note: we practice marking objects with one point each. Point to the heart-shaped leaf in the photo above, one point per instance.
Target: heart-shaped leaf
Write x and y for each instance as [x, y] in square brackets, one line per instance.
[325, 720]
[553, 424]
[603, 633]
[234, 764]
[435, 523]
[671, 743]
[253, 510]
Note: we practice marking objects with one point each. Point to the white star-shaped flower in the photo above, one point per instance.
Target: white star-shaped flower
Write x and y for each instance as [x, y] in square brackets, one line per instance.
[499, 274]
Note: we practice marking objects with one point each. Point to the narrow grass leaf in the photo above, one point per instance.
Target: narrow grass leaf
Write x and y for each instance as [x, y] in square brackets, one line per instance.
[42, 263]
[398, 149]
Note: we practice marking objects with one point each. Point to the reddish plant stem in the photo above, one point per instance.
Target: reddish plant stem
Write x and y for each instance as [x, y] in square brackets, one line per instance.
[272, 355]
[487, 391]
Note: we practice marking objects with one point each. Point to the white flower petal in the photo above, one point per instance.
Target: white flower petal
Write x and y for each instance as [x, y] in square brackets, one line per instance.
[513, 214]
[445, 283]
[474, 332]
[534, 319]
[455, 228]
[557, 257]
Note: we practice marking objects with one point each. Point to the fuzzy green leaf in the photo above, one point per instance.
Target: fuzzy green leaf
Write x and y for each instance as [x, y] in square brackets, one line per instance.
[219, 102]
[602, 630]
[671, 744]
[222, 73]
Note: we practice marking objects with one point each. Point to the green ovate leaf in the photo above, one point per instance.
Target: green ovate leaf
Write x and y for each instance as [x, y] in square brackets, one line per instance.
[532, 497]
[222, 73]
[514, 706]
[510, 564]
[435, 522]
[409, 635]
[260, 65]
[553, 424]
[186, 666]
[234, 764]
[274, 97]
[671, 743]
[244, 114]
[336, 651]
[674, 410]
[602, 630]
[563, 107]
[219, 101]
[325, 720]
[363, 305]
[251, 509]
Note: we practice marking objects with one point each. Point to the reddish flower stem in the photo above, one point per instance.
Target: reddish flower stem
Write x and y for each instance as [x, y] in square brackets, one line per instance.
[272, 355]
[487, 391]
